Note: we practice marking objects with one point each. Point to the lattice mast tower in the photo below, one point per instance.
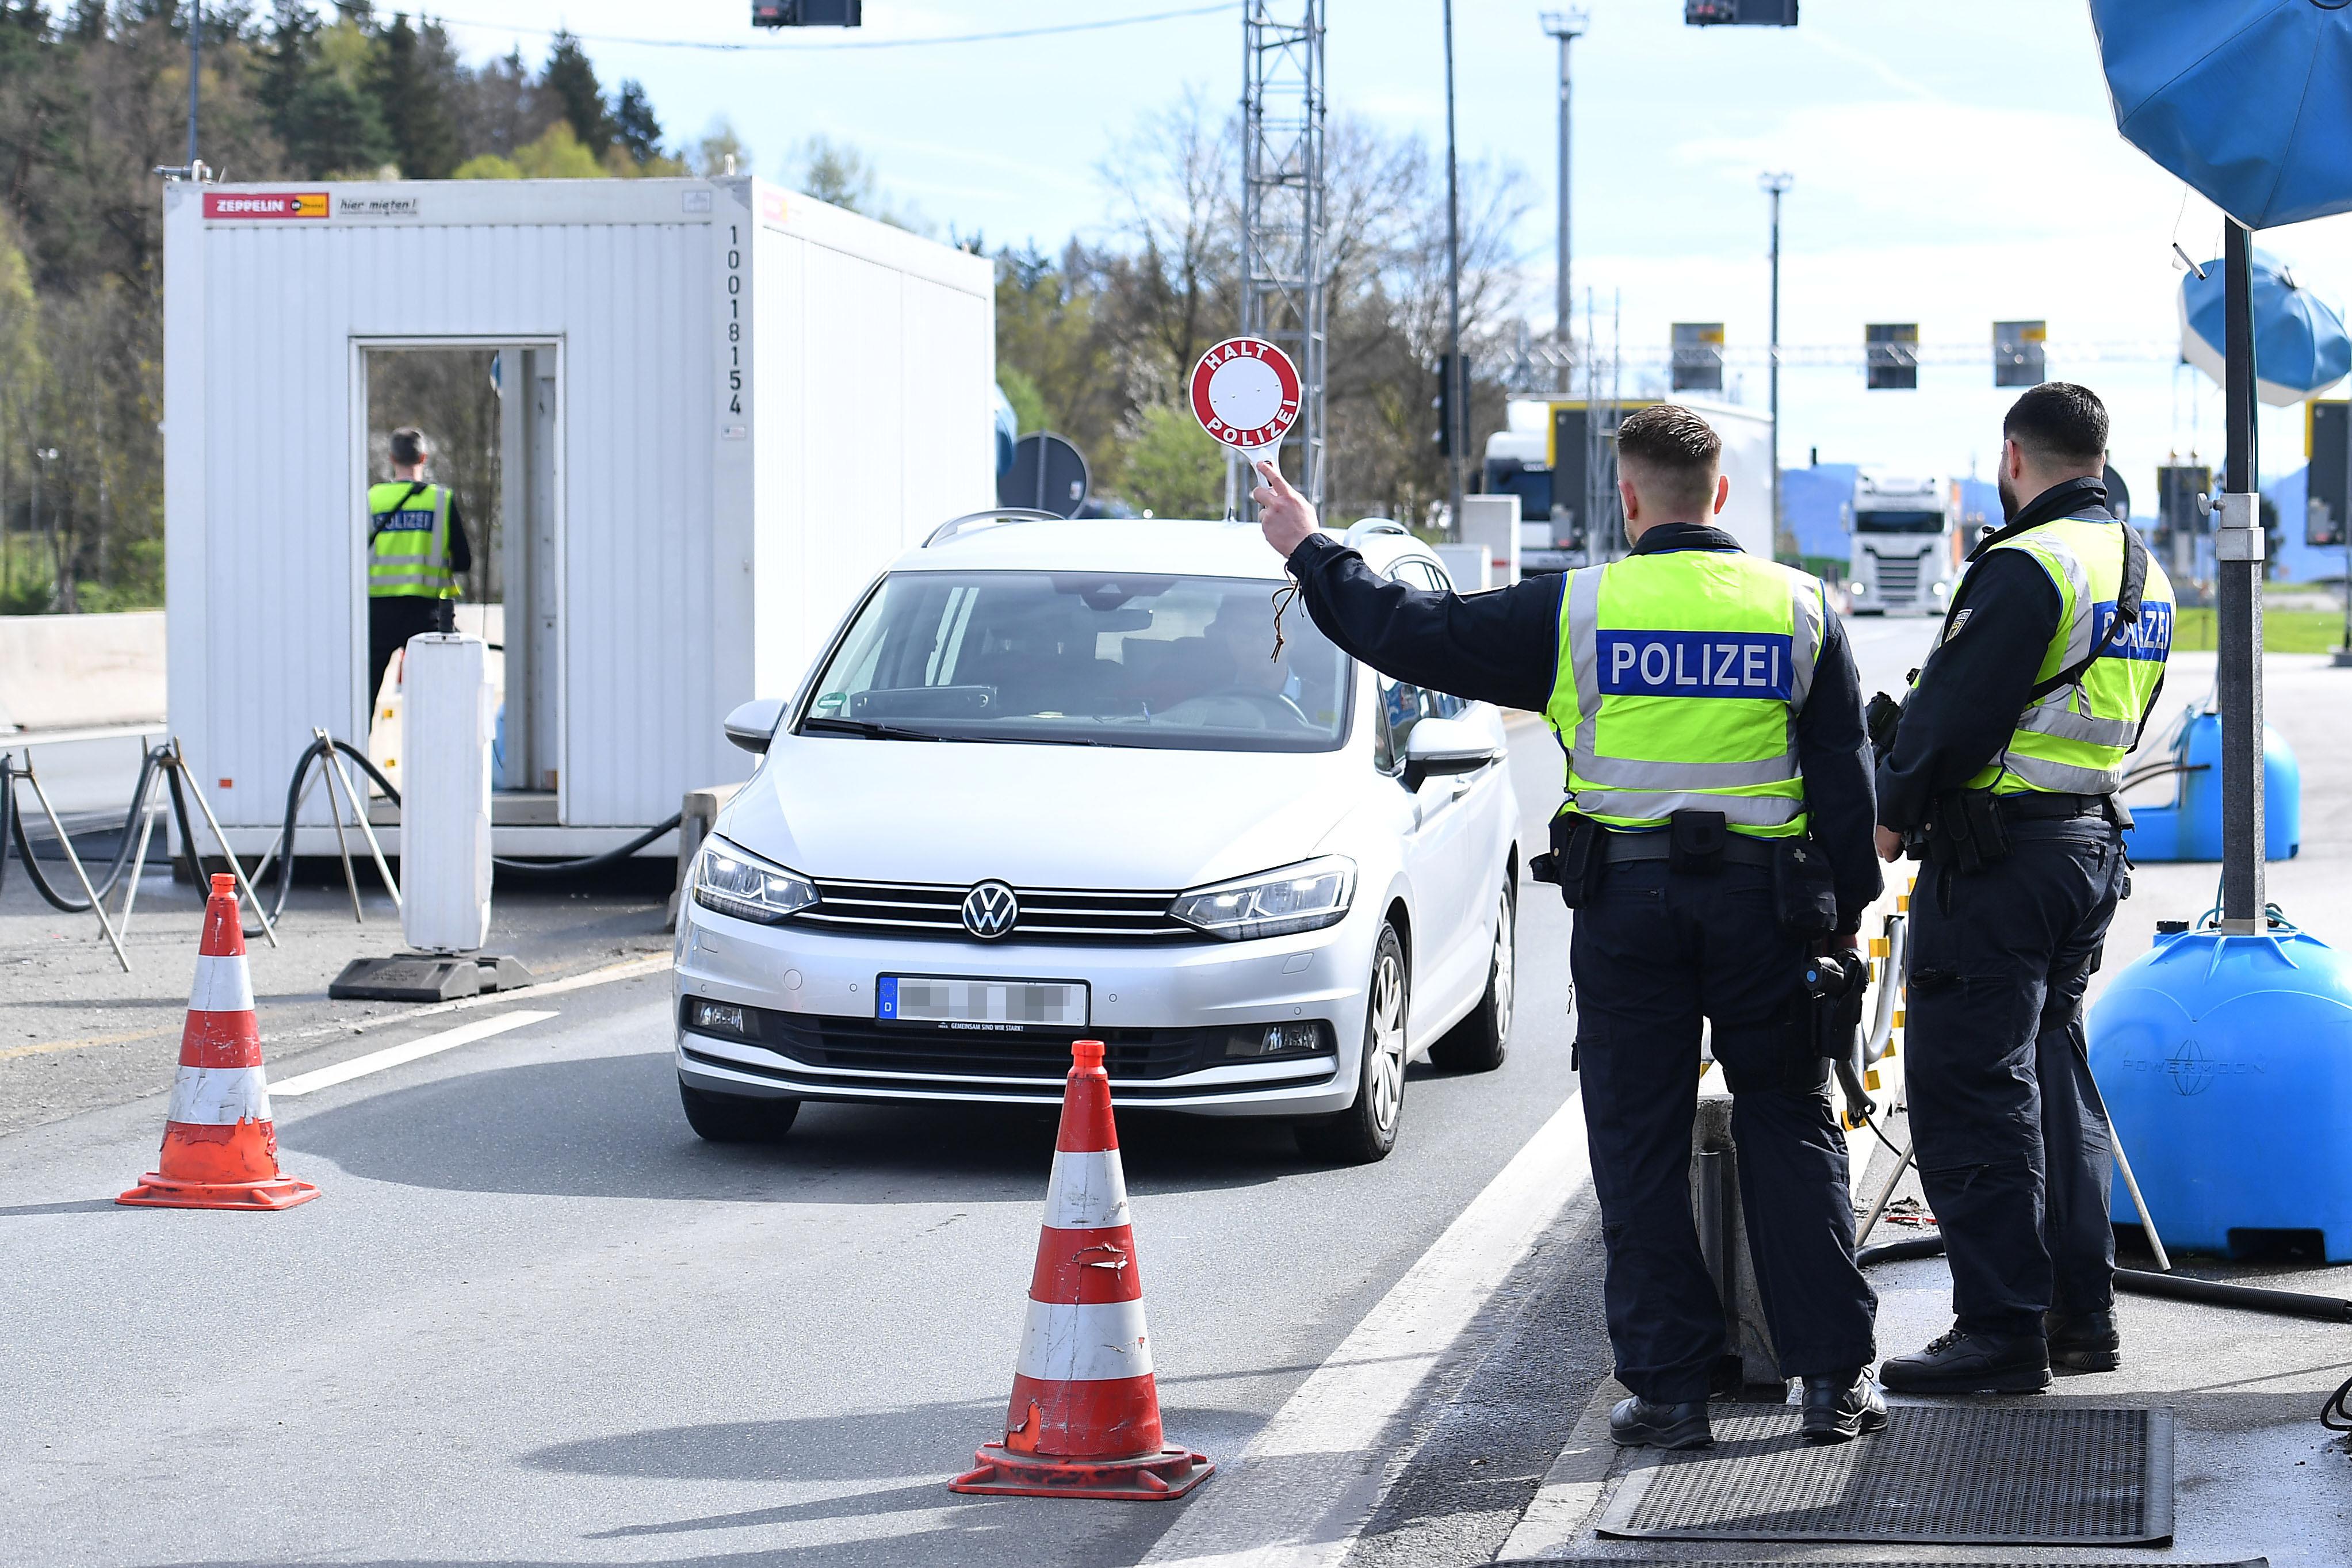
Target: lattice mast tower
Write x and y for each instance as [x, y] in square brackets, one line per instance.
[1283, 249]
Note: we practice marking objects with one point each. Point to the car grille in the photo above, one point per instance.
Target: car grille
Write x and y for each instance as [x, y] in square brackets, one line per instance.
[1047, 914]
[1898, 579]
[862, 1045]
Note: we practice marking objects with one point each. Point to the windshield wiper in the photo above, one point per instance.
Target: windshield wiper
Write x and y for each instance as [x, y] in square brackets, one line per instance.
[868, 728]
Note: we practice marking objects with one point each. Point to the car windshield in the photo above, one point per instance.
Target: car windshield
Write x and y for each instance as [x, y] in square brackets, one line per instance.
[1107, 658]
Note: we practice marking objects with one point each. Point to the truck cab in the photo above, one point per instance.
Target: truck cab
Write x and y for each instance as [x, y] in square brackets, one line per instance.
[1908, 547]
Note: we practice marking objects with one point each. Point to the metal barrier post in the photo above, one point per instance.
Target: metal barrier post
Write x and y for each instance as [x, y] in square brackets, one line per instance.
[236, 867]
[74, 861]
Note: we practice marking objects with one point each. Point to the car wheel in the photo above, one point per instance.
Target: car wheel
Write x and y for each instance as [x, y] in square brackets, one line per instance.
[1479, 1042]
[1367, 1130]
[735, 1118]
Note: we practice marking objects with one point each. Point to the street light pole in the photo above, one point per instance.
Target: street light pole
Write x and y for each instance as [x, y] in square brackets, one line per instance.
[195, 73]
[1567, 27]
[1457, 416]
[1776, 186]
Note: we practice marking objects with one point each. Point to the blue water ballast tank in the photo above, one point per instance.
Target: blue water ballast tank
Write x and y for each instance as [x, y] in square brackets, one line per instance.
[2226, 1065]
[2190, 828]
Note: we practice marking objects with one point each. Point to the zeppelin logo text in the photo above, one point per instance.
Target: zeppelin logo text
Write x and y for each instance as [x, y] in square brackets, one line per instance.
[1694, 664]
[264, 205]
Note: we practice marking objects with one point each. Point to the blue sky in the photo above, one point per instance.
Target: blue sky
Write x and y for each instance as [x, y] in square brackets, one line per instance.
[1953, 164]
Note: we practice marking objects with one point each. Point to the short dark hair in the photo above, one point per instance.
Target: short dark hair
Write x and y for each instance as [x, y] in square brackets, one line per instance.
[408, 445]
[1676, 451]
[2059, 421]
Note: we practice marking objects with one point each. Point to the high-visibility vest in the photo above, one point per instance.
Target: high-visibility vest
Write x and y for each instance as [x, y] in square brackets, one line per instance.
[2072, 739]
[408, 549]
[1680, 678]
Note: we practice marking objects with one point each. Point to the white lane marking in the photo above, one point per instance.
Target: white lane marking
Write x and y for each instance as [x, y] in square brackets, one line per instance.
[393, 1056]
[1093, 1342]
[1305, 1488]
[1088, 1191]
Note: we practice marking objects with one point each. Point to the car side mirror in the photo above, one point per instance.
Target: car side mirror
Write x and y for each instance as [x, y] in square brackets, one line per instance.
[750, 724]
[1439, 746]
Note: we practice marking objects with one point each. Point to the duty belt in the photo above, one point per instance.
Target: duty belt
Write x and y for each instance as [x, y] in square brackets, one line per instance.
[1739, 849]
[2039, 806]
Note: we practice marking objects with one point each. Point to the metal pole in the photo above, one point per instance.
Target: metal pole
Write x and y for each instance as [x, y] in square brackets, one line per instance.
[367, 831]
[74, 861]
[1774, 186]
[1457, 418]
[236, 867]
[1567, 27]
[2238, 600]
[342, 844]
[195, 74]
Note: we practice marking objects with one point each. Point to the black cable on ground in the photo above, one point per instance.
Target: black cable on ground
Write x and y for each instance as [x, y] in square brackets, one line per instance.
[12, 830]
[2336, 1414]
[2140, 1282]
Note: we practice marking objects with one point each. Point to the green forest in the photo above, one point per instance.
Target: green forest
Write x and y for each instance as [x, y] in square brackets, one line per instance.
[1094, 334]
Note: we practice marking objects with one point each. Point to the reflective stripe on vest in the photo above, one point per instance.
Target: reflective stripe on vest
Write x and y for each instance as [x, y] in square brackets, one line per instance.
[2073, 739]
[409, 552]
[1680, 678]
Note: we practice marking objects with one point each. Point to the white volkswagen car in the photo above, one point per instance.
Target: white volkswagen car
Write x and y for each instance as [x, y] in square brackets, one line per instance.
[1059, 780]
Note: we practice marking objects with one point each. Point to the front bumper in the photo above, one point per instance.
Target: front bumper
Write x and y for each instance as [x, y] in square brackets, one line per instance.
[1133, 988]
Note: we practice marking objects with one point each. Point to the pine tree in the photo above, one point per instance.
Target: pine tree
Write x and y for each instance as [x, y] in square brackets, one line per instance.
[332, 127]
[570, 79]
[633, 124]
[286, 59]
[412, 99]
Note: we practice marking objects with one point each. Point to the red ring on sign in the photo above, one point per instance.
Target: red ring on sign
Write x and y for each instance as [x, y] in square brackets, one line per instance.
[1245, 393]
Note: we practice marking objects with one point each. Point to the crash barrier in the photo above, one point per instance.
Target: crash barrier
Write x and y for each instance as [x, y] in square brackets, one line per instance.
[2228, 1061]
[2188, 827]
[1084, 1421]
[220, 1146]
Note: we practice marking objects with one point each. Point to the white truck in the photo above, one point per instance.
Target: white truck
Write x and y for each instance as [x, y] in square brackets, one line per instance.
[1907, 543]
[1541, 455]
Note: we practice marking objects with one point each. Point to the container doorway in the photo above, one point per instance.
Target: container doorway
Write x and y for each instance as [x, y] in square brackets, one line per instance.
[491, 415]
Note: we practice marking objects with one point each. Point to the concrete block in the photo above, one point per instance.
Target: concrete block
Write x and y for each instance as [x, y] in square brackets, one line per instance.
[696, 816]
[1723, 1240]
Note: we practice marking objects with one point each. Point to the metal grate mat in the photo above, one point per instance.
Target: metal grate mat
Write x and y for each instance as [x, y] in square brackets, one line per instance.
[1959, 1475]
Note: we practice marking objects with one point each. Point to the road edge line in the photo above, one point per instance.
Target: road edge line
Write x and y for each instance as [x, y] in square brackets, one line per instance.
[1263, 1514]
[409, 1051]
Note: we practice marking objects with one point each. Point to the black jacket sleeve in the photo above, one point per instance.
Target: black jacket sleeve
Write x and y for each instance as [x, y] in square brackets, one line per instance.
[1499, 646]
[461, 549]
[1973, 687]
[1834, 749]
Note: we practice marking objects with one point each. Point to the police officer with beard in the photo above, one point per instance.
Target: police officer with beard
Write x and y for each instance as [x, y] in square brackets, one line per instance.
[1718, 823]
[2002, 775]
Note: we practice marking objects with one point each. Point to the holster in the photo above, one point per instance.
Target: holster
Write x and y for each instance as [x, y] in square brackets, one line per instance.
[1694, 841]
[1573, 862]
[1965, 831]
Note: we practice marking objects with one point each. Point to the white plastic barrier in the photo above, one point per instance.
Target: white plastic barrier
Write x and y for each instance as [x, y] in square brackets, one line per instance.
[1493, 521]
[444, 809]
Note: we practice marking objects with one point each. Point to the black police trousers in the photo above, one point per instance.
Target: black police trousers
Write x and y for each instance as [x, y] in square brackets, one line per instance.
[2013, 1145]
[1652, 951]
[392, 621]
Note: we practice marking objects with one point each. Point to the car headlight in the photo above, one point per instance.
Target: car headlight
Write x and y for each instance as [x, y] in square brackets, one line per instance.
[734, 881]
[1304, 897]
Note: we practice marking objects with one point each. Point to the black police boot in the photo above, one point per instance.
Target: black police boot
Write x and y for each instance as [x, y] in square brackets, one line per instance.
[1954, 1363]
[1842, 1408]
[2084, 1341]
[1638, 1424]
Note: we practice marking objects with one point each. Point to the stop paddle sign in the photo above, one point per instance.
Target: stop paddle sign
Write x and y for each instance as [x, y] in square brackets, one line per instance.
[1245, 393]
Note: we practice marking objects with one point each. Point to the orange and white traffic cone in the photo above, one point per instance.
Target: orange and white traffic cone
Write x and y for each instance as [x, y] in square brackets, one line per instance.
[1085, 1416]
[220, 1149]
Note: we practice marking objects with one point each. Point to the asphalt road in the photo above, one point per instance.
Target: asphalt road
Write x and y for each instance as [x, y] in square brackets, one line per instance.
[532, 1320]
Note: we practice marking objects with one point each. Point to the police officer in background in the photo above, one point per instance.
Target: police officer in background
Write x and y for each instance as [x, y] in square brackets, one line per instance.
[417, 551]
[1718, 823]
[2002, 774]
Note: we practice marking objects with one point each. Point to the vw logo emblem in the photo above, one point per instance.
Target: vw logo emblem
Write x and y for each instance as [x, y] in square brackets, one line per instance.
[990, 909]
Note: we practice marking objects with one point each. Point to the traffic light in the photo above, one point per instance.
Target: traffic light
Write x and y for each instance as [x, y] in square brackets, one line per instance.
[808, 13]
[1443, 407]
[1740, 13]
[2326, 498]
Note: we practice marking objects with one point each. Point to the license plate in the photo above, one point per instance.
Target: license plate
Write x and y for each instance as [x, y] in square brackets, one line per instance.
[1005, 1006]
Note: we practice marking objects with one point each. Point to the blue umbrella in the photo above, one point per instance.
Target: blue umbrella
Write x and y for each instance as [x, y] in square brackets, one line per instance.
[2300, 345]
[2248, 100]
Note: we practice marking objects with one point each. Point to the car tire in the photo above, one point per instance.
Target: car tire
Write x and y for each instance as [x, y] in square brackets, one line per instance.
[1479, 1042]
[1366, 1131]
[735, 1118]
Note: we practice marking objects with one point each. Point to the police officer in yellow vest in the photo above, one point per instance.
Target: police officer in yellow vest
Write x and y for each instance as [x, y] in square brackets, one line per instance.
[1718, 826]
[2002, 775]
[417, 551]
